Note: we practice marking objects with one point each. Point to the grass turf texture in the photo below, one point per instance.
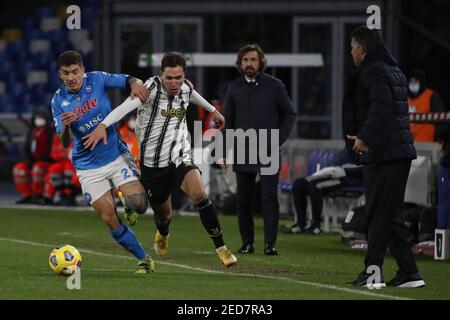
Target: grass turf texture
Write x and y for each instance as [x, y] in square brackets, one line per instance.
[307, 267]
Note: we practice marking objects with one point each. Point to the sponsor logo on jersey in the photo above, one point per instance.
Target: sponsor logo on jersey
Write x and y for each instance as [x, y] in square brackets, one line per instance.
[80, 111]
[65, 103]
[171, 112]
[91, 124]
[88, 89]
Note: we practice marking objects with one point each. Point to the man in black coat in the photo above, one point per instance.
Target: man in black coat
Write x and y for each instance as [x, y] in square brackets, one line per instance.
[376, 127]
[257, 101]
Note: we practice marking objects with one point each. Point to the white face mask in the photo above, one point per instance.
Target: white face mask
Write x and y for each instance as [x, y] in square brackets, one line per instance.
[39, 122]
[414, 88]
[132, 124]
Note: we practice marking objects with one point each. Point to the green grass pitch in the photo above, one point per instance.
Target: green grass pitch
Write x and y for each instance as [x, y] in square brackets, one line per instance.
[307, 267]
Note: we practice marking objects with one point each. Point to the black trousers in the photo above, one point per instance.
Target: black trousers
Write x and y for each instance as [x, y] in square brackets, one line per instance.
[385, 185]
[270, 207]
[301, 189]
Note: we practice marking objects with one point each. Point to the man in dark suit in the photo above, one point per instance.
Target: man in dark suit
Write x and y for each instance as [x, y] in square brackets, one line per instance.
[257, 101]
[376, 127]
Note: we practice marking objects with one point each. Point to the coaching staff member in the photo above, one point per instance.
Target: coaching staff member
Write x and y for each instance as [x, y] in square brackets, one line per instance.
[376, 127]
[256, 100]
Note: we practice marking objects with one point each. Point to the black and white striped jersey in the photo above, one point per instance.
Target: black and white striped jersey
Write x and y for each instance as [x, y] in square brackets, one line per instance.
[161, 128]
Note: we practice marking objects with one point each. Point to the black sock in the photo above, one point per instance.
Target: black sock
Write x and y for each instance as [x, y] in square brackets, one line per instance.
[163, 226]
[210, 221]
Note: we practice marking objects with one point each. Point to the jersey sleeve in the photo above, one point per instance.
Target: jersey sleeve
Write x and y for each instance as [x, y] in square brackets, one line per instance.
[112, 80]
[152, 86]
[57, 111]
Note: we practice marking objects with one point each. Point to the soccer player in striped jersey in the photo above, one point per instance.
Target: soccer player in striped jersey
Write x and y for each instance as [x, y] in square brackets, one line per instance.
[78, 106]
[165, 153]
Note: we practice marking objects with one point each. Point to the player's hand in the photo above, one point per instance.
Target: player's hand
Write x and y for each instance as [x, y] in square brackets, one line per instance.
[359, 145]
[222, 163]
[139, 90]
[95, 136]
[67, 118]
[219, 120]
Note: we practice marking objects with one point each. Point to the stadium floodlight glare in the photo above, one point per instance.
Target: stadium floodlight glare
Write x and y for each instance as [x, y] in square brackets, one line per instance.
[200, 59]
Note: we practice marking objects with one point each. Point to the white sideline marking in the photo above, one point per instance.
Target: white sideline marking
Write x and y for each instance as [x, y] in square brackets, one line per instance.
[183, 266]
[86, 208]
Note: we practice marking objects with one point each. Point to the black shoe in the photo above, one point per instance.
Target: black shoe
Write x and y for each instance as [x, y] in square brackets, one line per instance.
[270, 250]
[313, 229]
[43, 201]
[407, 281]
[247, 248]
[361, 281]
[295, 230]
[25, 200]
[68, 200]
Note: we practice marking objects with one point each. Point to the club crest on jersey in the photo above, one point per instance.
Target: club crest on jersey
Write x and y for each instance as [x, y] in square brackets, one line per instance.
[80, 111]
[171, 112]
[78, 99]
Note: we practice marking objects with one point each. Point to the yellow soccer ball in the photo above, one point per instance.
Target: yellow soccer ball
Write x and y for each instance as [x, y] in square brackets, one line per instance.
[64, 259]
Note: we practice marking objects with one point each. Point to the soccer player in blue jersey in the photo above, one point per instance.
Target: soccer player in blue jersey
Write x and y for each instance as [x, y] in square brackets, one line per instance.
[78, 106]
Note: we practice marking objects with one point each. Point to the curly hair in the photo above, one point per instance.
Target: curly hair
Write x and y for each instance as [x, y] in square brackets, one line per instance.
[248, 48]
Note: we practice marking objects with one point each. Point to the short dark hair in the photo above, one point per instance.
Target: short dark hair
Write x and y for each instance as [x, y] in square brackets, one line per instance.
[70, 57]
[366, 38]
[251, 47]
[172, 60]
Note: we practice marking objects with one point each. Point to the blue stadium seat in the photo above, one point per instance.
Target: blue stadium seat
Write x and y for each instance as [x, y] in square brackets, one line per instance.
[38, 92]
[88, 17]
[17, 89]
[56, 36]
[88, 60]
[28, 24]
[13, 151]
[53, 81]
[60, 47]
[22, 56]
[44, 12]
[14, 47]
[330, 159]
[47, 99]
[90, 3]
[43, 58]
[33, 34]
[5, 103]
[26, 67]
[27, 108]
[25, 103]
[6, 67]
[312, 162]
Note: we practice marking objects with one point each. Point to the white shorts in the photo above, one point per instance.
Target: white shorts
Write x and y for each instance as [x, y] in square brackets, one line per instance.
[96, 182]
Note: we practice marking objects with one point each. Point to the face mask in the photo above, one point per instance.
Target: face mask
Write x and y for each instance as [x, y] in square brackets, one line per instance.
[132, 124]
[414, 88]
[39, 122]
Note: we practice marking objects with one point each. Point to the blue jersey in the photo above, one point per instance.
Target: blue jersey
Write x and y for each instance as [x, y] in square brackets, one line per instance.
[90, 106]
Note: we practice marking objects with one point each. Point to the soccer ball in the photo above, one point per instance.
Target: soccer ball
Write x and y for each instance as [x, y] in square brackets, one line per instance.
[64, 259]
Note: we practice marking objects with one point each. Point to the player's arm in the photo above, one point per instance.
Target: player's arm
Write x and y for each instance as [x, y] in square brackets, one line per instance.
[135, 85]
[62, 121]
[115, 116]
[198, 100]
[65, 136]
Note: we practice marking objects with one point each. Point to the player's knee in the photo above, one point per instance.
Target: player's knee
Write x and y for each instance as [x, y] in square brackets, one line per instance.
[197, 195]
[159, 198]
[138, 202]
